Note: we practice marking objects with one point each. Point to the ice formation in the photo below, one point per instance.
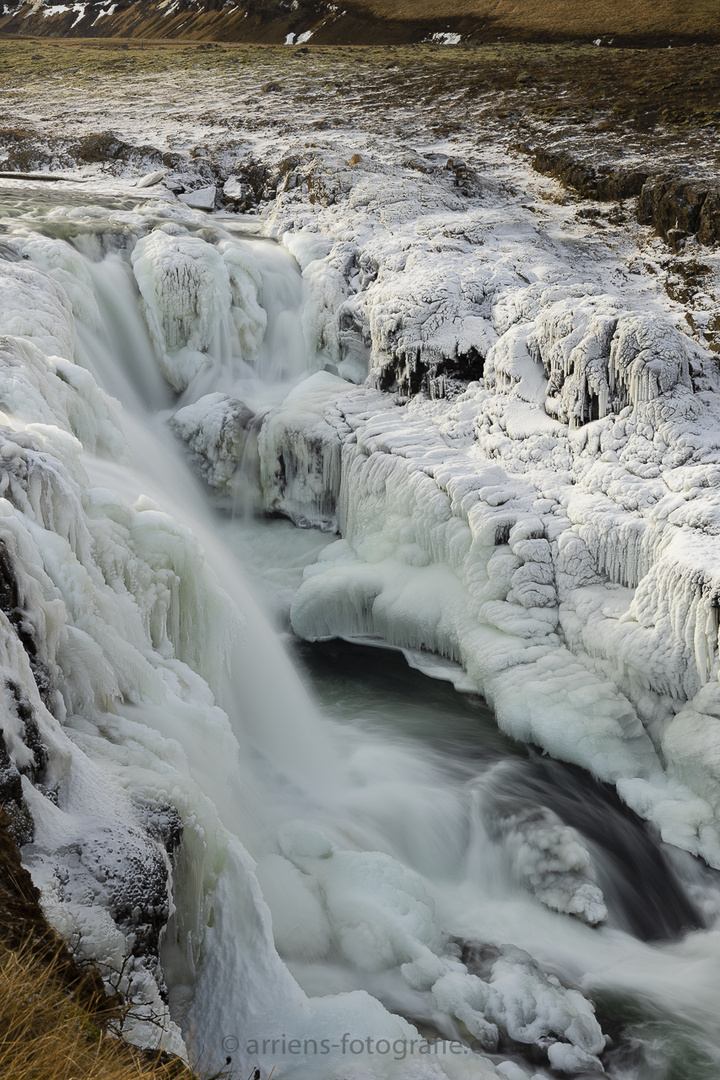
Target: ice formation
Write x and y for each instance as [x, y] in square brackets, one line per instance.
[534, 503]
[136, 783]
[380, 916]
[220, 434]
[546, 856]
[521, 469]
[191, 290]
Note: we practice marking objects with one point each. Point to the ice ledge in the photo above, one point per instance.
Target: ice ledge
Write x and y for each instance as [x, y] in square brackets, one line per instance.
[448, 552]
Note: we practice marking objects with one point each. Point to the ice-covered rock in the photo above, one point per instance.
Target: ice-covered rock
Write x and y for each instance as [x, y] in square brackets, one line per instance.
[186, 289]
[203, 198]
[36, 309]
[236, 190]
[546, 856]
[300, 454]
[380, 917]
[221, 436]
[151, 179]
[200, 301]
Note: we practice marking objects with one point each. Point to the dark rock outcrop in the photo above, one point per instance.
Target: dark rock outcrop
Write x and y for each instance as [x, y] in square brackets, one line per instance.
[677, 208]
[603, 182]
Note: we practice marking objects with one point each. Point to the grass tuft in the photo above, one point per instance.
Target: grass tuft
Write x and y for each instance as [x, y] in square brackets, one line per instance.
[50, 1033]
[57, 1022]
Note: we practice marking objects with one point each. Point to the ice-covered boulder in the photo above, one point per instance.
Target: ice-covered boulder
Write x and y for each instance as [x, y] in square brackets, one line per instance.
[200, 301]
[548, 857]
[186, 292]
[221, 436]
[152, 178]
[300, 453]
[203, 198]
[237, 191]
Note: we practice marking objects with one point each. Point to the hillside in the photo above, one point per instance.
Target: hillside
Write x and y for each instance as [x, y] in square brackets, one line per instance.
[364, 22]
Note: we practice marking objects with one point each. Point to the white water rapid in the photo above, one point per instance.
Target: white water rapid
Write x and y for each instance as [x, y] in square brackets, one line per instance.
[359, 879]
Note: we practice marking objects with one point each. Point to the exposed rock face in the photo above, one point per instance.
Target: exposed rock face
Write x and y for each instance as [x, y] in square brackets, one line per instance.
[19, 821]
[675, 207]
[679, 208]
[22, 150]
[606, 182]
[105, 146]
[22, 622]
[122, 871]
[24, 925]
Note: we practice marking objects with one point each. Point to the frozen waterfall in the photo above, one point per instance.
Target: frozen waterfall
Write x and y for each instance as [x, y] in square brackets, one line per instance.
[364, 878]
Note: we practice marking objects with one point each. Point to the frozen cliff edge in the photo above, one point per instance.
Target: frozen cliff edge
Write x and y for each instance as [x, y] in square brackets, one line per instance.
[132, 758]
[530, 490]
[99, 853]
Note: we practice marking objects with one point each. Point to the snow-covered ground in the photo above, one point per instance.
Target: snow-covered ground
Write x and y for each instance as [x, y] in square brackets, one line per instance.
[505, 418]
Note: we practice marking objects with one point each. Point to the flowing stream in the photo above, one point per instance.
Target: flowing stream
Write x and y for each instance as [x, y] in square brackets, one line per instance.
[403, 845]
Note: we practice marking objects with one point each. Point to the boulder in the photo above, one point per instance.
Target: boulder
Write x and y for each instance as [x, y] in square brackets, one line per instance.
[201, 199]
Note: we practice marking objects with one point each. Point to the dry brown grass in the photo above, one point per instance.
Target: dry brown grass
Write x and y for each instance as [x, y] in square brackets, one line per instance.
[562, 83]
[56, 1020]
[49, 1034]
[560, 18]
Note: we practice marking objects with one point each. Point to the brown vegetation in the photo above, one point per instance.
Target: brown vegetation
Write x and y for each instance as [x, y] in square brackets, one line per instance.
[57, 1021]
[51, 1033]
[605, 90]
[627, 21]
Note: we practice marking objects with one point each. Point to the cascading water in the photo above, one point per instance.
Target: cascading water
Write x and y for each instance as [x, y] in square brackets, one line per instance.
[372, 881]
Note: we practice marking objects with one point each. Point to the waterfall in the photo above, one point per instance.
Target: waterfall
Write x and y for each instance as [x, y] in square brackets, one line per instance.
[345, 898]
